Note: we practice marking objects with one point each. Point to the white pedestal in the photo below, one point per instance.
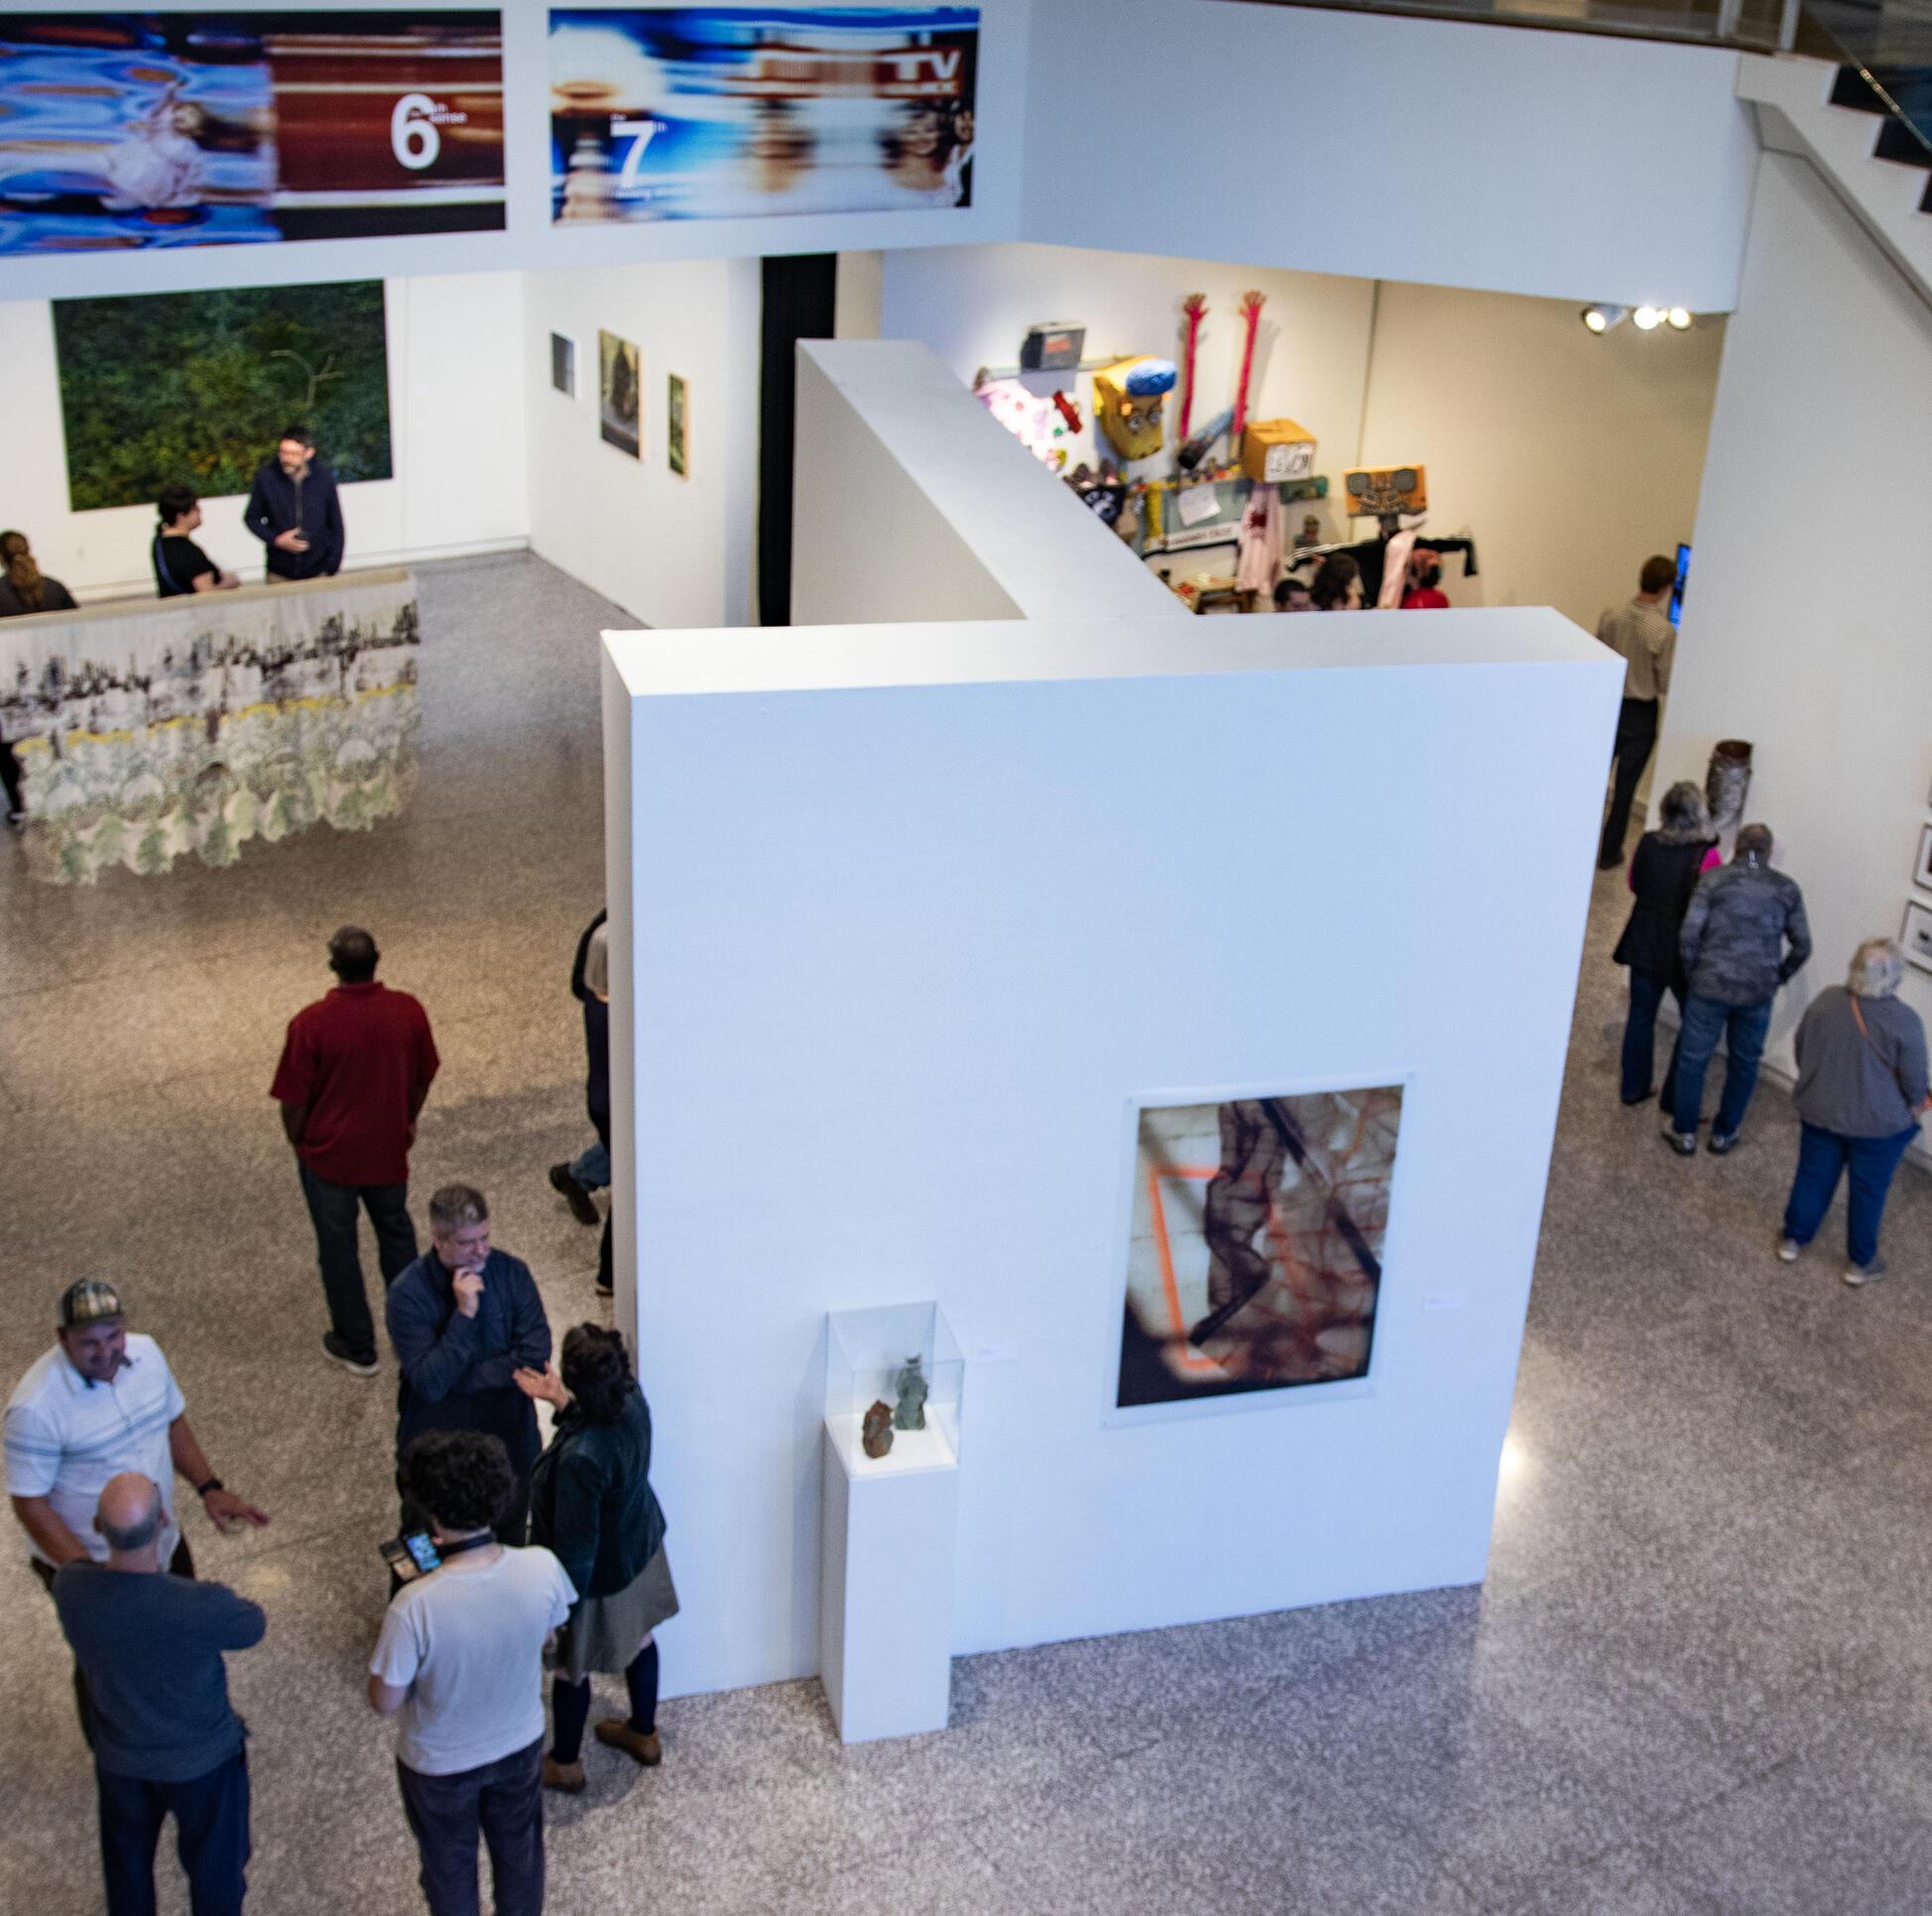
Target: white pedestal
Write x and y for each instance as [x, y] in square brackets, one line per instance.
[885, 1581]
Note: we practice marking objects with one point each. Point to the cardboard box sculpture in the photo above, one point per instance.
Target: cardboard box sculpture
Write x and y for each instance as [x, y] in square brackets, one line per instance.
[1129, 405]
[1274, 451]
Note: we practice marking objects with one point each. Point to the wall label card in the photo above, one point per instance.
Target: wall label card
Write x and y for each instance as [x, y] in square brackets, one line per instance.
[132, 130]
[718, 112]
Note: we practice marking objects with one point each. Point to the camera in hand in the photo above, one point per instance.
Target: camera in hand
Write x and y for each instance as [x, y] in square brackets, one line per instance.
[410, 1556]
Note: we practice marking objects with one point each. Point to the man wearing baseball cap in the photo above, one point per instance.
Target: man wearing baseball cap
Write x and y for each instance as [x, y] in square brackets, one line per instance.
[100, 1402]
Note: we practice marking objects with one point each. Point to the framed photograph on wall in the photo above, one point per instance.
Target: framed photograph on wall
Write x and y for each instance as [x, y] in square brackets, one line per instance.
[678, 406]
[1922, 871]
[563, 363]
[1917, 934]
[617, 393]
[1255, 1244]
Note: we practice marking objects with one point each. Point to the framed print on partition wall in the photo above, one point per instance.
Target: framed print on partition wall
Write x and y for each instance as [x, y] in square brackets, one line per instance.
[165, 130]
[1922, 871]
[563, 363]
[1255, 1244]
[1917, 934]
[617, 393]
[678, 406]
[734, 112]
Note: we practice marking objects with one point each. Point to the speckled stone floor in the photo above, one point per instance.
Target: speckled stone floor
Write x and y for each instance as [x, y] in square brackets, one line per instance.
[1698, 1679]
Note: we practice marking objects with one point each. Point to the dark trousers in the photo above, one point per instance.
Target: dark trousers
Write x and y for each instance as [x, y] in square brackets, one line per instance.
[1636, 735]
[503, 1802]
[10, 778]
[210, 1815]
[1870, 1162]
[332, 1208]
[180, 1564]
[1744, 1029]
[1640, 1037]
[603, 1125]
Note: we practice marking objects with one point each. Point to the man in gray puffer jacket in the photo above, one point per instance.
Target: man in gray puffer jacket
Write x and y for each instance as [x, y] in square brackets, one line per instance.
[1743, 935]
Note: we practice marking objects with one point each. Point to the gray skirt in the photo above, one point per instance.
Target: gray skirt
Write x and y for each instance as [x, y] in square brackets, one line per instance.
[605, 1632]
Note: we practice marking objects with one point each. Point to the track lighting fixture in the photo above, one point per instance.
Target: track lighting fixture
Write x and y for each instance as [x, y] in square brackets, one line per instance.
[1602, 318]
[1648, 318]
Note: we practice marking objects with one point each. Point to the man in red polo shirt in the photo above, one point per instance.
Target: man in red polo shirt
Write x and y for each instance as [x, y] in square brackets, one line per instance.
[354, 1072]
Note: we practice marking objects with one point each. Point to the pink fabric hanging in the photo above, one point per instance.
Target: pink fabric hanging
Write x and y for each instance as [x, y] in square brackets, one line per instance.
[1259, 554]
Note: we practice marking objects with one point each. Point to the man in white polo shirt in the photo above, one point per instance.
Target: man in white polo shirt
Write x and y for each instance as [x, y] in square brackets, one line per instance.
[103, 1401]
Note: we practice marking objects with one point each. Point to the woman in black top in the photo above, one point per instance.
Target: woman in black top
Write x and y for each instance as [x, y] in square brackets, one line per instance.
[591, 1503]
[1665, 872]
[181, 566]
[24, 587]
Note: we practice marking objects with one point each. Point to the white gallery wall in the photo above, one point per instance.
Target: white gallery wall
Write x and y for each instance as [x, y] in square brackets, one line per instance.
[456, 441]
[1819, 658]
[1333, 141]
[919, 910]
[1569, 457]
[672, 549]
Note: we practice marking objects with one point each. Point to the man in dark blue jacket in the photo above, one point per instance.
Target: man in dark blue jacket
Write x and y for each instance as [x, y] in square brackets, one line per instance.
[295, 509]
[464, 1319]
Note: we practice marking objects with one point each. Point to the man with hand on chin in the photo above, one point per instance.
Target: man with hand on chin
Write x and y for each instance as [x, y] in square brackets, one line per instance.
[464, 1318]
[295, 509]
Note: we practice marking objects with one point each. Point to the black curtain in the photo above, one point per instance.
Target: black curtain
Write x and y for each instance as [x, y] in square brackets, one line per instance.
[801, 292]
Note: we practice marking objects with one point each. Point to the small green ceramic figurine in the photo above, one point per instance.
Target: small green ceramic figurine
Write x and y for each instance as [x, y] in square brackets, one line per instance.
[911, 1411]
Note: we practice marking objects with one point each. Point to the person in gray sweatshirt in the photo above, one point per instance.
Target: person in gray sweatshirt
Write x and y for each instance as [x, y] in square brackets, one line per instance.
[1744, 937]
[1861, 1084]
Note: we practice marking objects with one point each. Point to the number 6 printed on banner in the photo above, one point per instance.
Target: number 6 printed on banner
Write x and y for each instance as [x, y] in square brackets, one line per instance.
[412, 134]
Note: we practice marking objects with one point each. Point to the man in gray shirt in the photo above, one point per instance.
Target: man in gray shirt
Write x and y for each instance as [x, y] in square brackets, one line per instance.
[1643, 634]
[166, 1739]
[1744, 937]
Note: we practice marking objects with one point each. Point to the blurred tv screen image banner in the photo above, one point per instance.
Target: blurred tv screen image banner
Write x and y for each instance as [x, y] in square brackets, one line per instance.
[745, 112]
[131, 130]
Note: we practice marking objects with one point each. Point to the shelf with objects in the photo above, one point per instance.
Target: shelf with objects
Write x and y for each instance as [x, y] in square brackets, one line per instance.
[894, 1383]
[1225, 488]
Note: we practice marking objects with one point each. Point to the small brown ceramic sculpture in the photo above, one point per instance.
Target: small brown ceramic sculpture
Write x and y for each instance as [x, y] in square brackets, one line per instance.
[877, 1435]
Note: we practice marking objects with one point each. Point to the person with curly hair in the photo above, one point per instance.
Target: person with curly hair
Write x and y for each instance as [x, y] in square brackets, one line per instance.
[459, 1664]
[592, 1502]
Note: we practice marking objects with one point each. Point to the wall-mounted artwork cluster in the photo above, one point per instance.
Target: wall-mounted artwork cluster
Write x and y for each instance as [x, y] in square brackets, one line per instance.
[1916, 932]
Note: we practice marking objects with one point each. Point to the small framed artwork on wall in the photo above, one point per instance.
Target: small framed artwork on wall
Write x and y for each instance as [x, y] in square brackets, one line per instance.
[678, 412]
[1922, 871]
[1917, 934]
[563, 363]
[618, 372]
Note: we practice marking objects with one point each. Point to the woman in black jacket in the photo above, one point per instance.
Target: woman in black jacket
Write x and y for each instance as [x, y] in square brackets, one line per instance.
[592, 1505]
[1665, 872]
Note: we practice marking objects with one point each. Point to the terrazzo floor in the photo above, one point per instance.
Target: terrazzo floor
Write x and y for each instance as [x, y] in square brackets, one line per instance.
[1698, 1679]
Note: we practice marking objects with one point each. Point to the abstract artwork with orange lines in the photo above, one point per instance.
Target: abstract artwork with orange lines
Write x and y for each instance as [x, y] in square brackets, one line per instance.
[1256, 1258]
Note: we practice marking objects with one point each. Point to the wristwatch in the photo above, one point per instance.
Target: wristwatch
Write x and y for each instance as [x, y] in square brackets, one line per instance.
[213, 1483]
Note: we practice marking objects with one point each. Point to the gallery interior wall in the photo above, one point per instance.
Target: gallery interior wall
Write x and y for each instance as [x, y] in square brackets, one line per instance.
[1569, 457]
[456, 426]
[1818, 657]
[1569, 165]
[931, 935]
[672, 550]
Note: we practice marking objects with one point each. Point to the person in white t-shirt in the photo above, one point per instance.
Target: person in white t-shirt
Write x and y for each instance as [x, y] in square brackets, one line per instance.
[459, 1664]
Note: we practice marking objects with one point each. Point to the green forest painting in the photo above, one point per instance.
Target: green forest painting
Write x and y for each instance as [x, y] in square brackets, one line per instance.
[198, 387]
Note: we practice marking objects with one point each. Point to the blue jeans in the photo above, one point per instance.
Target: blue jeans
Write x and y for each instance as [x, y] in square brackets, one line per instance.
[1641, 1034]
[1742, 1028]
[210, 1814]
[593, 1169]
[1821, 1156]
[503, 1802]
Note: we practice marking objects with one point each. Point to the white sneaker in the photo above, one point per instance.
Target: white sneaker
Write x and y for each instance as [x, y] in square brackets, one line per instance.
[1856, 1274]
[1787, 1250]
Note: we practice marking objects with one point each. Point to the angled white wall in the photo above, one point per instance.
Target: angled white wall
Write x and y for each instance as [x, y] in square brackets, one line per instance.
[1819, 658]
[919, 910]
[1332, 141]
[913, 502]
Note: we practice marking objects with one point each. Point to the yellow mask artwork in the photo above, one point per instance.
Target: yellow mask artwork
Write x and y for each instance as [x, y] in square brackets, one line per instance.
[1129, 405]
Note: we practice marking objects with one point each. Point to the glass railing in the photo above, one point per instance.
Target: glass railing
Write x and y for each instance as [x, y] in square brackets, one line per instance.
[1765, 25]
[1889, 47]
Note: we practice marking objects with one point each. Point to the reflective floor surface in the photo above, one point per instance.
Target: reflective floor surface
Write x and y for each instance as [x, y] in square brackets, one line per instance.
[1698, 1679]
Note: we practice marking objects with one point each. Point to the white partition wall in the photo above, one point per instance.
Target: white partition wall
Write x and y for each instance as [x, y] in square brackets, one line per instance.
[919, 910]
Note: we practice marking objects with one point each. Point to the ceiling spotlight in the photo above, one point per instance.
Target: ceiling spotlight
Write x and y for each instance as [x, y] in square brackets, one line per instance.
[1679, 318]
[1648, 318]
[1600, 319]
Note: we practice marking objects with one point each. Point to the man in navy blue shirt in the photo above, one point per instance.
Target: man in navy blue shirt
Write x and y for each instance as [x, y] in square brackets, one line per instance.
[465, 1320]
[166, 1739]
[295, 509]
